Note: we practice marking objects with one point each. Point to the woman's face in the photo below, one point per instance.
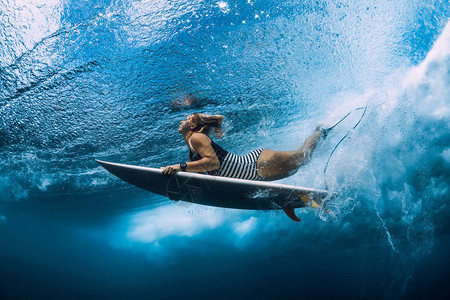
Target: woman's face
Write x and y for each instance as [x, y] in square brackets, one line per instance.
[185, 125]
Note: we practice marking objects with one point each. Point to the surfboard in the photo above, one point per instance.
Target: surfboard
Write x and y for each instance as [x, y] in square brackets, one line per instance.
[219, 191]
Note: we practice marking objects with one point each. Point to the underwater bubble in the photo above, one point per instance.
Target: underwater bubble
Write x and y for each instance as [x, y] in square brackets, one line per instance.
[224, 7]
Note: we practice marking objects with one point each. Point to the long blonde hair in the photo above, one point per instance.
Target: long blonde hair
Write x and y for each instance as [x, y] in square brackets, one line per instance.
[204, 123]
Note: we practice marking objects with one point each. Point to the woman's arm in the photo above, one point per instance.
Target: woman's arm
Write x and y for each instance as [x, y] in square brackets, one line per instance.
[209, 162]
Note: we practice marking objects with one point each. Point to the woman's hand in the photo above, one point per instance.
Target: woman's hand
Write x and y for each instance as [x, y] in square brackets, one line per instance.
[170, 170]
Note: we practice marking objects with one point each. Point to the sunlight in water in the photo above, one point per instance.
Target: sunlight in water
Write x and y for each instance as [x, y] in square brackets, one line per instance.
[29, 23]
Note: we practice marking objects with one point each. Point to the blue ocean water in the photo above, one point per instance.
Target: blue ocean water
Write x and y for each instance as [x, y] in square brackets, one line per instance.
[111, 80]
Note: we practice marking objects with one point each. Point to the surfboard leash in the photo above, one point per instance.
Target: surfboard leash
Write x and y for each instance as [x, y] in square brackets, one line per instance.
[343, 138]
[346, 135]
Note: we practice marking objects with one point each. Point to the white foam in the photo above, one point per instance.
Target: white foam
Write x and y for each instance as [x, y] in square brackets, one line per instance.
[173, 220]
[244, 227]
[429, 83]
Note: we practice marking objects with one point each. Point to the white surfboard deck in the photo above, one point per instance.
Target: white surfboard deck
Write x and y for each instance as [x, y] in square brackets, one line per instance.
[219, 191]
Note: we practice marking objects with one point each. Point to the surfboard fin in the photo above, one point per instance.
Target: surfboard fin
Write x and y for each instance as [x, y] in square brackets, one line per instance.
[291, 214]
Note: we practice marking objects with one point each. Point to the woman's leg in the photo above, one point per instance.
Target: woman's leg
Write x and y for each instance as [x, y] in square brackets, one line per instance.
[273, 165]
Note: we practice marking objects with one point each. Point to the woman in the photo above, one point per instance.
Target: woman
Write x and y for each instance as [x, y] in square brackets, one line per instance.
[207, 157]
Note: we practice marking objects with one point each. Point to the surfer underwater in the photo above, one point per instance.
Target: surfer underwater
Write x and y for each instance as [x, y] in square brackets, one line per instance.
[206, 157]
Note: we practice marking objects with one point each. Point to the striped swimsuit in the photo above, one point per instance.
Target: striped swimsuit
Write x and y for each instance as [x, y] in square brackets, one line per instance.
[231, 165]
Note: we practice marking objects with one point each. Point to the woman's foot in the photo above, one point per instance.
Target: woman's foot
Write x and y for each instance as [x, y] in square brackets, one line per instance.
[325, 129]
